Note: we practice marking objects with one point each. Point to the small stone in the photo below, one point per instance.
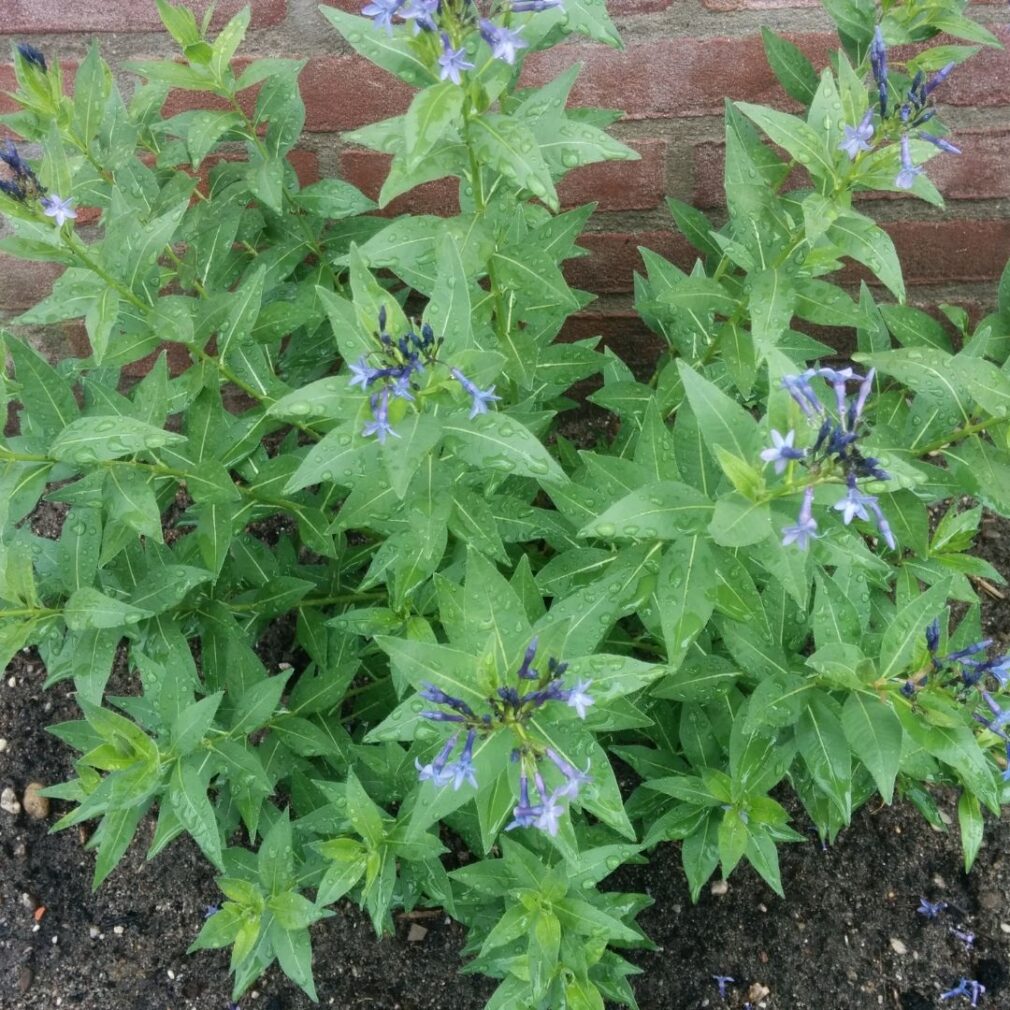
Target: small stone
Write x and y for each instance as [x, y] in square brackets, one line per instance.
[990, 900]
[416, 933]
[118, 930]
[25, 978]
[29, 901]
[757, 992]
[21, 850]
[3, 744]
[171, 974]
[36, 805]
[9, 802]
[938, 881]
[12, 682]
[1005, 927]
[897, 946]
[719, 887]
[56, 940]
[93, 932]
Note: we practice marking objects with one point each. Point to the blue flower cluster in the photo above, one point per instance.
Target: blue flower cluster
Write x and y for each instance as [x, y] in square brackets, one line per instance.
[23, 184]
[505, 42]
[512, 707]
[401, 359]
[970, 668]
[913, 113]
[834, 451]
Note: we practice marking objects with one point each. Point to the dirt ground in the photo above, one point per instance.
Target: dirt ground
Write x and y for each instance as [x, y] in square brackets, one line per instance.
[847, 937]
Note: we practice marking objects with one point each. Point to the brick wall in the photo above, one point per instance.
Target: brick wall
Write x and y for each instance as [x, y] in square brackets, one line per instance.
[681, 58]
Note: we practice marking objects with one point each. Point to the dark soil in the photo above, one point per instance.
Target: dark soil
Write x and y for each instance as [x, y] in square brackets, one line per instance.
[846, 938]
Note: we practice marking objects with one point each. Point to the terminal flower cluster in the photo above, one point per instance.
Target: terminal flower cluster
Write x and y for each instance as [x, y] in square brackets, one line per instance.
[391, 379]
[22, 184]
[912, 114]
[512, 706]
[426, 16]
[969, 668]
[835, 450]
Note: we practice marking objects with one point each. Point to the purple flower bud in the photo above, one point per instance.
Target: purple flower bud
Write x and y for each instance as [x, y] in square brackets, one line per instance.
[937, 79]
[944, 145]
[878, 62]
[422, 13]
[970, 650]
[535, 6]
[525, 671]
[32, 55]
[933, 635]
[967, 938]
[865, 388]
[432, 693]
[436, 716]
[883, 526]
[799, 388]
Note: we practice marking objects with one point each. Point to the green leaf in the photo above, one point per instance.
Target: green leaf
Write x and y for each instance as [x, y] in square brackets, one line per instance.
[661, 511]
[685, 593]
[969, 818]
[699, 295]
[113, 837]
[796, 137]
[47, 400]
[874, 734]
[192, 723]
[509, 148]
[498, 442]
[771, 301]
[395, 53]
[294, 954]
[794, 71]
[825, 751]
[739, 522]
[905, 633]
[333, 199]
[97, 437]
[721, 419]
[188, 795]
[859, 237]
[88, 608]
[431, 113]
[589, 17]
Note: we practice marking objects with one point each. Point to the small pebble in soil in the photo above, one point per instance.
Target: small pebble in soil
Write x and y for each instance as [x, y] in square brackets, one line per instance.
[93, 932]
[897, 946]
[9, 802]
[416, 933]
[3, 744]
[29, 901]
[118, 930]
[36, 805]
[719, 887]
[25, 977]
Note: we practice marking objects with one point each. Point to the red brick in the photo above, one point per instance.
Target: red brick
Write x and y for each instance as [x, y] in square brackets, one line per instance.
[757, 5]
[45, 16]
[368, 169]
[620, 185]
[942, 252]
[344, 92]
[613, 258]
[23, 283]
[671, 77]
[983, 81]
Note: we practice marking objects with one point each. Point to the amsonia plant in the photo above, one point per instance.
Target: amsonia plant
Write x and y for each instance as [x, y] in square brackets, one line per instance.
[364, 594]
